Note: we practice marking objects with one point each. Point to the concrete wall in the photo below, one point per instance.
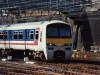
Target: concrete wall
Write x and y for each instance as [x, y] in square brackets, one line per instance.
[14, 20]
[89, 31]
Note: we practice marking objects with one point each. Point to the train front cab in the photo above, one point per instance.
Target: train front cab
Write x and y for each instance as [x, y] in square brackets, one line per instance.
[58, 41]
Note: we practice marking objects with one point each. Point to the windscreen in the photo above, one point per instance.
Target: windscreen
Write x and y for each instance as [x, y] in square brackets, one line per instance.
[58, 31]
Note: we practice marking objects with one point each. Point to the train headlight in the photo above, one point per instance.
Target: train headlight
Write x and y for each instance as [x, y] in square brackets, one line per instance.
[68, 44]
[50, 44]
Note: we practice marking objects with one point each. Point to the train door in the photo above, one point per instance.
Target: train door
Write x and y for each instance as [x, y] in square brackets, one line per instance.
[30, 36]
[25, 37]
[6, 39]
[41, 40]
[21, 39]
[17, 39]
[10, 38]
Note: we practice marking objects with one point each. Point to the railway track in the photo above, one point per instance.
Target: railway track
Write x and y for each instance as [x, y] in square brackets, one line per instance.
[74, 67]
[77, 67]
[48, 68]
[13, 68]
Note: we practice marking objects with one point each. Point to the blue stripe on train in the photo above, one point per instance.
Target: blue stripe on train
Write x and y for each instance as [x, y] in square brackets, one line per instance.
[27, 35]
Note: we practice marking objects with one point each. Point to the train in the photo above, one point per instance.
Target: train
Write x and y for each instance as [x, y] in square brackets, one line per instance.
[45, 40]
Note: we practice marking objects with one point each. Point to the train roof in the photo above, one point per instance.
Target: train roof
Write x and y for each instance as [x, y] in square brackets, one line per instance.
[30, 24]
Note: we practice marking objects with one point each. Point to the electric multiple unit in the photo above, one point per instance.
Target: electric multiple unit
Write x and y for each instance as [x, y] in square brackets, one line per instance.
[49, 40]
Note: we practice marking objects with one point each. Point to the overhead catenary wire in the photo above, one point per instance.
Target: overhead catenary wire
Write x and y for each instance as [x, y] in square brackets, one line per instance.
[35, 4]
[57, 5]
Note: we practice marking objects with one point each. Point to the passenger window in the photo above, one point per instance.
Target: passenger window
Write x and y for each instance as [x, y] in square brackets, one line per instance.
[1, 35]
[37, 35]
[5, 35]
[32, 34]
[20, 34]
[15, 35]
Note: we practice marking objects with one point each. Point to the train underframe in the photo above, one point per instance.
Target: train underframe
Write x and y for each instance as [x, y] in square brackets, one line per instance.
[38, 55]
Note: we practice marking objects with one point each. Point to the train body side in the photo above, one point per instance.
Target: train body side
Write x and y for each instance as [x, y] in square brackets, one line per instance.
[34, 37]
[21, 38]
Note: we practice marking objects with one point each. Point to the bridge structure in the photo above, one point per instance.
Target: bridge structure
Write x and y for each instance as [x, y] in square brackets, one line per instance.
[61, 5]
[73, 8]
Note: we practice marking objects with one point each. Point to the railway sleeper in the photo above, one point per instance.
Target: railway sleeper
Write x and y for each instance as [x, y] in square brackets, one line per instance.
[72, 73]
[3, 70]
[14, 73]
